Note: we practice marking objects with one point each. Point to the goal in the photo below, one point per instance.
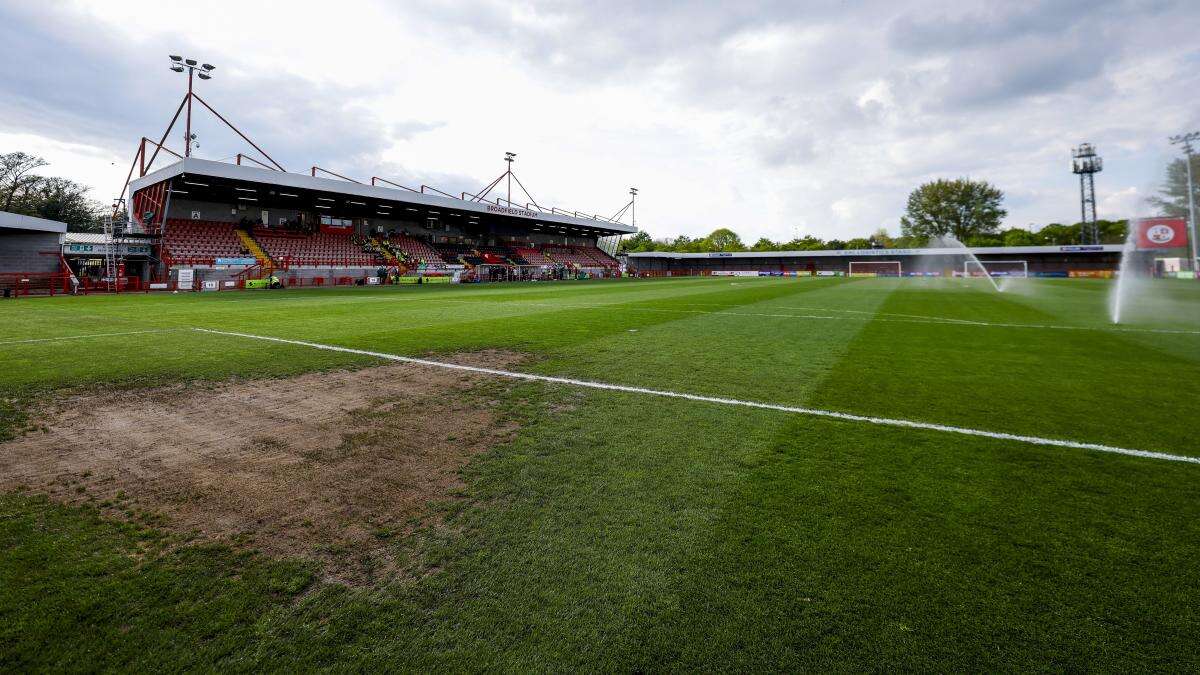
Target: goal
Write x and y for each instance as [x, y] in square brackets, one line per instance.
[876, 268]
[995, 268]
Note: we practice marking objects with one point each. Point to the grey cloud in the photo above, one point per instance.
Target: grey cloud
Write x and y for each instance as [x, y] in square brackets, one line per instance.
[64, 81]
[789, 150]
[932, 30]
[1005, 75]
[599, 39]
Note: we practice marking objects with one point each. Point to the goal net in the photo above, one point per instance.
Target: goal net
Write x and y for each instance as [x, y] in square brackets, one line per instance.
[995, 268]
[875, 268]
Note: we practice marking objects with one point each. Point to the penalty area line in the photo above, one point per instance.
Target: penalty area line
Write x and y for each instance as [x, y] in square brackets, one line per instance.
[813, 412]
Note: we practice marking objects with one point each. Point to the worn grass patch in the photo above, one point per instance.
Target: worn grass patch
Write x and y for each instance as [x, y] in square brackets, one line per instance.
[331, 467]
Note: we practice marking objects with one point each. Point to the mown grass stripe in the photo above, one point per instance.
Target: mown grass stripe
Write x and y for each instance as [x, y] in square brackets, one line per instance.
[883, 421]
[83, 337]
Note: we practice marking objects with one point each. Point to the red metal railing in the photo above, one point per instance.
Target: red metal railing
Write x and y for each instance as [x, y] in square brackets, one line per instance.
[16, 284]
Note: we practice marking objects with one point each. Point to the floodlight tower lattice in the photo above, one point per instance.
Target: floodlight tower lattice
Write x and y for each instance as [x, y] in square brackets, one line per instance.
[1086, 163]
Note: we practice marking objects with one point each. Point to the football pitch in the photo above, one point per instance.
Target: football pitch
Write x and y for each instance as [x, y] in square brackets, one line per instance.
[684, 474]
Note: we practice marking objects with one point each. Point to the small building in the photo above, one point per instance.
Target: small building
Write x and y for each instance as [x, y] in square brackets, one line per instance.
[30, 245]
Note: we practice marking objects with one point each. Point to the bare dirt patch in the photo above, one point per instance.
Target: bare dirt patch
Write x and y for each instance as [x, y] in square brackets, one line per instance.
[335, 467]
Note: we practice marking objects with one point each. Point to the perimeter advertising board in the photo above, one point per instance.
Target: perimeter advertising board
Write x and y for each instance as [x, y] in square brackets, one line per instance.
[1153, 233]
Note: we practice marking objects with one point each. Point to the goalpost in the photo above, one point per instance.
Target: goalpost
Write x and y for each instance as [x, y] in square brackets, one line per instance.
[875, 268]
[996, 268]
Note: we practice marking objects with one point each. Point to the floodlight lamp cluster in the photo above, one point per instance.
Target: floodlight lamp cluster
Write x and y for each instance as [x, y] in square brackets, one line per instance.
[180, 64]
[1186, 140]
[1085, 160]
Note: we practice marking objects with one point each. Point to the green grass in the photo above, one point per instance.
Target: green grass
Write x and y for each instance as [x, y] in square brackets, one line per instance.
[625, 532]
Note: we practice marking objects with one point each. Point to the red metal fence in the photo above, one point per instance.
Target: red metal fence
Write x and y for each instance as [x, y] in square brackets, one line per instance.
[17, 284]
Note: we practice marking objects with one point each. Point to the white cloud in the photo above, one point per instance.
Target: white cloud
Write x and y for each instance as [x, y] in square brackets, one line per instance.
[1121, 203]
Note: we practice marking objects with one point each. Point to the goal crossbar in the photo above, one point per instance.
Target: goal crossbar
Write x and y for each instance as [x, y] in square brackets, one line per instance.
[982, 265]
[890, 268]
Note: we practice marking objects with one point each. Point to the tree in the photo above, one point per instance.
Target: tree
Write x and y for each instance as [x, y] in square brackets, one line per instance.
[984, 240]
[858, 243]
[764, 244]
[682, 244]
[1057, 234]
[66, 201]
[724, 239]
[1173, 195]
[1113, 231]
[638, 242]
[881, 239]
[61, 199]
[1015, 236]
[805, 243]
[16, 176]
[963, 208]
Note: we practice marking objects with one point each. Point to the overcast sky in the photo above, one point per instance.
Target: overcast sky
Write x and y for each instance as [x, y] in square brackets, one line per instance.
[776, 119]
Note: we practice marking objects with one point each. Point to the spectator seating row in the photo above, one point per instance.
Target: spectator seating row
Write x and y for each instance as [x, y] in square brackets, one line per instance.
[323, 248]
[600, 256]
[531, 255]
[416, 252]
[578, 256]
[497, 255]
[455, 254]
[200, 242]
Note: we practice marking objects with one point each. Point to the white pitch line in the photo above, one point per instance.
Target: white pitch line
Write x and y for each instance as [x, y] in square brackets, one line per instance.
[83, 337]
[884, 421]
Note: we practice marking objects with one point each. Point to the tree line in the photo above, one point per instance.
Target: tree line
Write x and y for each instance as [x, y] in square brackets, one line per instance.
[31, 194]
[971, 211]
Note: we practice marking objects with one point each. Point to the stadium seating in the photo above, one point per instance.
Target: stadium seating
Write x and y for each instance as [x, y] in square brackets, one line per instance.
[528, 255]
[200, 242]
[381, 247]
[291, 248]
[576, 256]
[600, 256]
[495, 255]
[458, 254]
[416, 252]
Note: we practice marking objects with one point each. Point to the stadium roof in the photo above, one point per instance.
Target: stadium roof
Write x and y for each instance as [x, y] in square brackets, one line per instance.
[100, 238]
[304, 189]
[883, 252]
[16, 221]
